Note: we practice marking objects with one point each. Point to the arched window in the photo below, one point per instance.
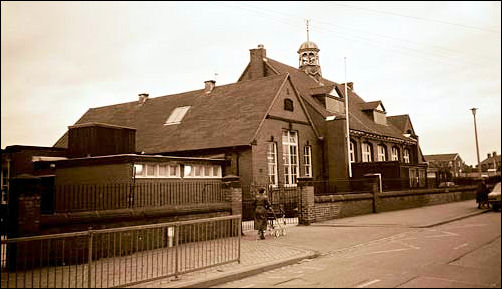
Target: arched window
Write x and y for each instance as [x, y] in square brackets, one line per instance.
[406, 156]
[394, 156]
[352, 151]
[288, 104]
[305, 59]
[381, 153]
[367, 152]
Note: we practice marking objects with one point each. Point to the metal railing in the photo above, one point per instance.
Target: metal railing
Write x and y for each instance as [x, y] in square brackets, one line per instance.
[120, 256]
[110, 196]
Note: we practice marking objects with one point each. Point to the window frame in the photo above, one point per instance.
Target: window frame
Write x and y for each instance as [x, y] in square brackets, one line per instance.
[394, 157]
[201, 168]
[177, 115]
[307, 160]
[381, 153]
[290, 153]
[367, 156]
[406, 156]
[273, 177]
[156, 171]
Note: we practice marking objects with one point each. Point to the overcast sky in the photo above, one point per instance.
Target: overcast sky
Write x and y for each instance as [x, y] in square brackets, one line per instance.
[431, 60]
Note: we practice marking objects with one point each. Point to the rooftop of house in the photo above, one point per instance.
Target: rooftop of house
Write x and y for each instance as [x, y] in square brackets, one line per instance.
[227, 116]
[441, 157]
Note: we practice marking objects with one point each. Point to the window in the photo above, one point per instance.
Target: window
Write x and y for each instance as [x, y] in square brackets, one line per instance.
[290, 157]
[156, 171]
[307, 159]
[406, 156]
[272, 163]
[177, 115]
[394, 154]
[288, 104]
[352, 152]
[202, 171]
[366, 152]
[381, 153]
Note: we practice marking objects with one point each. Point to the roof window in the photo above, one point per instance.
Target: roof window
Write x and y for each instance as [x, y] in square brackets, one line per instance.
[177, 115]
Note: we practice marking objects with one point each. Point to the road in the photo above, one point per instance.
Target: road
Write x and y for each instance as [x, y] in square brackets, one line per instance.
[463, 253]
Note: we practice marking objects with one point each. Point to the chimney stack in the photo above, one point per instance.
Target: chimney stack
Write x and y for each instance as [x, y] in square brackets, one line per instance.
[494, 154]
[143, 97]
[209, 86]
[256, 64]
[488, 156]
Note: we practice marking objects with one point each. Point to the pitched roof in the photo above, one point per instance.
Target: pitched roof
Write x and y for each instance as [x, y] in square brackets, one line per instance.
[228, 116]
[358, 120]
[491, 159]
[371, 105]
[399, 121]
[440, 157]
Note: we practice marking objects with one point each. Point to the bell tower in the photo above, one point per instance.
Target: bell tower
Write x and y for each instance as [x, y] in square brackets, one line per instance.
[309, 57]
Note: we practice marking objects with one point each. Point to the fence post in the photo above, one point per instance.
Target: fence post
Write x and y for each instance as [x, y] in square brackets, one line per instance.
[306, 188]
[239, 233]
[176, 254]
[373, 182]
[89, 261]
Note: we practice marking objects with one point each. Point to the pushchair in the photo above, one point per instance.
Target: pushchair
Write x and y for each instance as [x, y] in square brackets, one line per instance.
[276, 224]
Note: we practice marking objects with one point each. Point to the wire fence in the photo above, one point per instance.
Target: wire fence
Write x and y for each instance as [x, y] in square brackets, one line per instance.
[119, 256]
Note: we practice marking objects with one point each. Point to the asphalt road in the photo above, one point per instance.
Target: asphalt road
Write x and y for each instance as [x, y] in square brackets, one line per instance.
[463, 253]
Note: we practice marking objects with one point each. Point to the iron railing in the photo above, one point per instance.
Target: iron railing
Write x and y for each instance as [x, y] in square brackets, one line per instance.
[120, 256]
[110, 196]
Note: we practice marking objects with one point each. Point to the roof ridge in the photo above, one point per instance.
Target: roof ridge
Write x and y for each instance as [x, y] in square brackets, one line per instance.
[193, 91]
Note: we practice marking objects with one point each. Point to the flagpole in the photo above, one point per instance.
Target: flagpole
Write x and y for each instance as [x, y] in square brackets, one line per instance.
[347, 119]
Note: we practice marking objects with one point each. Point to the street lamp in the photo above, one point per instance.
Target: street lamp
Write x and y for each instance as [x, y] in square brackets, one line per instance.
[476, 135]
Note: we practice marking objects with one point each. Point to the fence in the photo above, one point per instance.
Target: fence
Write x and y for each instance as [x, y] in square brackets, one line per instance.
[92, 197]
[120, 256]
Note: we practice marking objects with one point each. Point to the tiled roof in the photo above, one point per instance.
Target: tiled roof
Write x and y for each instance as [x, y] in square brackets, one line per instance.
[490, 160]
[440, 157]
[370, 105]
[228, 116]
[358, 120]
[399, 121]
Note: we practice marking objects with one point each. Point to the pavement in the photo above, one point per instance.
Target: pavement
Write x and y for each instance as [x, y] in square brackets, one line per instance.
[302, 243]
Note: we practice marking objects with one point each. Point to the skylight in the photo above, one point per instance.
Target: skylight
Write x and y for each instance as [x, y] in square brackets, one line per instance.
[177, 115]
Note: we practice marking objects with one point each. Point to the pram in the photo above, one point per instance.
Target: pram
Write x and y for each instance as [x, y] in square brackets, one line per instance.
[275, 221]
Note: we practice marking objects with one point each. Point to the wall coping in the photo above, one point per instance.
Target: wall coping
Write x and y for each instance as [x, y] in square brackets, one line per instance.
[343, 198]
[139, 213]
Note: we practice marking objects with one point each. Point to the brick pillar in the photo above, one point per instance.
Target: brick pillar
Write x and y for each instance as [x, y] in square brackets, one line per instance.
[233, 192]
[373, 186]
[306, 214]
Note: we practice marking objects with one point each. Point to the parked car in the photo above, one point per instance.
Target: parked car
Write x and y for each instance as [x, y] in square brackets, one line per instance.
[494, 197]
[446, 184]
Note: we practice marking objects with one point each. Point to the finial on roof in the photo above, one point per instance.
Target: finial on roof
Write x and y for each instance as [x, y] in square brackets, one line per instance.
[307, 22]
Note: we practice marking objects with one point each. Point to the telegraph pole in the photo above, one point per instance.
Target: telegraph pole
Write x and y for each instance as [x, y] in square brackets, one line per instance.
[476, 135]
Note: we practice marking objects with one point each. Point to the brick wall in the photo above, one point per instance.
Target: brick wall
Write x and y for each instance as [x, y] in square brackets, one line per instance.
[340, 206]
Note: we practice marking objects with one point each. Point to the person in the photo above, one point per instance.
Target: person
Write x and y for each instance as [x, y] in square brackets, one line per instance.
[261, 204]
[482, 194]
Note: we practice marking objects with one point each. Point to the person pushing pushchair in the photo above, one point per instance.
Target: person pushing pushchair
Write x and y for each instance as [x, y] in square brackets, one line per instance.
[261, 204]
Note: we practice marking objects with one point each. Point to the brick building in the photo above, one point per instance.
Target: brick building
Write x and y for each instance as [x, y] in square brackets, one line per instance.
[448, 166]
[491, 164]
[275, 124]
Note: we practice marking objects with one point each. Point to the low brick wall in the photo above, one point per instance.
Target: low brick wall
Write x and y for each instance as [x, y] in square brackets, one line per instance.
[340, 206]
[399, 200]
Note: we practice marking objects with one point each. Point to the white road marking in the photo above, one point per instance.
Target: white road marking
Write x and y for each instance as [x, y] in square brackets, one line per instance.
[380, 252]
[247, 286]
[406, 244]
[368, 283]
[445, 234]
[461, 246]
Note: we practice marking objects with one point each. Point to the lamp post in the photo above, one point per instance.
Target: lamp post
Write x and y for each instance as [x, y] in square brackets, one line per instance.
[476, 135]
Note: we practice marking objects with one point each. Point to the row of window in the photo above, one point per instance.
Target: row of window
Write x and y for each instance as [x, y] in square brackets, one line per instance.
[174, 171]
[367, 153]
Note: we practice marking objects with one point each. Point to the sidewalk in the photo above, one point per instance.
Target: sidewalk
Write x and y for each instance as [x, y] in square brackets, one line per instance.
[304, 242]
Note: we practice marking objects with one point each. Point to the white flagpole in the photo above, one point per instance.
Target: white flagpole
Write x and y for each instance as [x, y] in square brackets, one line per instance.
[347, 119]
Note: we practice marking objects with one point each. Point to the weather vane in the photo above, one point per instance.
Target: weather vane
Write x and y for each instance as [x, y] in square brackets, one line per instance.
[307, 21]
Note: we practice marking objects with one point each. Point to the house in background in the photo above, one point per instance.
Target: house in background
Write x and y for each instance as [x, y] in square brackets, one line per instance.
[491, 165]
[448, 166]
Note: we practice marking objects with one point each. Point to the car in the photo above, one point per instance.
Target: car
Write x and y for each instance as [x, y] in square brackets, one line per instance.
[446, 184]
[494, 197]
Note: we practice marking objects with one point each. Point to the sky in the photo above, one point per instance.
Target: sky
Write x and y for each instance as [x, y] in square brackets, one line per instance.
[431, 60]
